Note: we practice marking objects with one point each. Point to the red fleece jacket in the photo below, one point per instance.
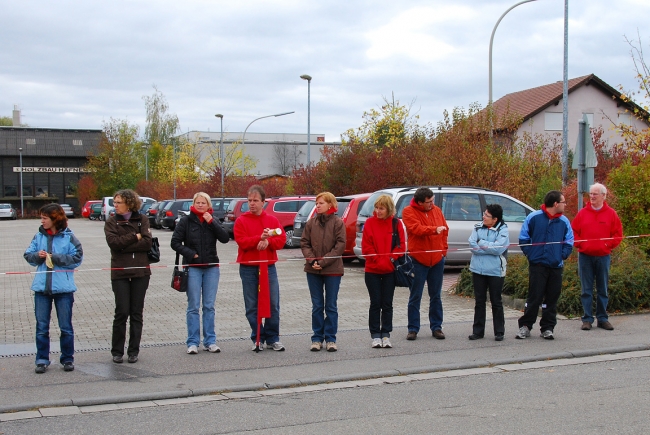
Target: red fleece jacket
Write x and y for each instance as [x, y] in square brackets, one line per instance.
[591, 225]
[378, 239]
[248, 233]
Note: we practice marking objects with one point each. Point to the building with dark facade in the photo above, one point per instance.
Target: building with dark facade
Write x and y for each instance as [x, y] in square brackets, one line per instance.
[53, 161]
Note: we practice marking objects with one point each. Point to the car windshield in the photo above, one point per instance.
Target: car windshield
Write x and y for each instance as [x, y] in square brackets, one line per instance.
[306, 209]
[369, 206]
[5, 205]
[343, 205]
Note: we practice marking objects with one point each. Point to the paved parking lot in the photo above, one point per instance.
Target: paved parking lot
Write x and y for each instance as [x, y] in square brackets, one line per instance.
[164, 314]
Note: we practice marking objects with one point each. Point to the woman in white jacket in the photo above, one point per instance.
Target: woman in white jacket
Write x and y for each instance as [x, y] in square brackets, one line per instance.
[489, 242]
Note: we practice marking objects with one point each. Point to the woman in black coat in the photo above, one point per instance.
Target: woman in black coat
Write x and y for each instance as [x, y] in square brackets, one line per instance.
[195, 239]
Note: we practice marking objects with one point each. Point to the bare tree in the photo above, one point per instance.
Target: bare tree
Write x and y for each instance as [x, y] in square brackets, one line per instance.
[286, 158]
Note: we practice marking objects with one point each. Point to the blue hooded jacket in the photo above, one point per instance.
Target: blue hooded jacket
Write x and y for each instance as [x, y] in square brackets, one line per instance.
[545, 240]
[67, 255]
[488, 246]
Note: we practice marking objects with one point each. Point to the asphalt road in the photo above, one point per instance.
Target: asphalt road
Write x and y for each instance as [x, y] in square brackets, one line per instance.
[601, 397]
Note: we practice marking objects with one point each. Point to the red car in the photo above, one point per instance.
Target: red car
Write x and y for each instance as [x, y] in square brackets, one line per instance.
[349, 217]
[285, 209]
[85, 211]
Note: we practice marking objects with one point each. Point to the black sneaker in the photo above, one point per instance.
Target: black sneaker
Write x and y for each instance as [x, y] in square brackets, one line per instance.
[68, 366]
[118, 359]
[40, 368]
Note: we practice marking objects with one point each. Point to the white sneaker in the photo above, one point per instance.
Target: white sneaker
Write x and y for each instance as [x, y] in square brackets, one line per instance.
[524, 332]
[212, 348]
[277, 346]
[192, 350]
[548, 334]
[261, 348]
[376, 343]
[385, 342]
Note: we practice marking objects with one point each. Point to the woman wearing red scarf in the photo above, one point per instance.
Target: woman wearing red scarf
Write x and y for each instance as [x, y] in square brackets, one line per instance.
[195, 238]
[322, 244]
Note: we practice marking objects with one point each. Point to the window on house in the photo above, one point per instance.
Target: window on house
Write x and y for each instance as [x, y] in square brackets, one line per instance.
[553, 121]
[11, 190]
[28, 191]
[625, 119]
[69, 191]
[30, 141]
[77, 142]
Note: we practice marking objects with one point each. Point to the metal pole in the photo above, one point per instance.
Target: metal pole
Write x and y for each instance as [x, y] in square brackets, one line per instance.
[221, 152]
[565, 100]
[490, 55]
[22, 207]
[174, 153]
[308, 78]
[146, 162]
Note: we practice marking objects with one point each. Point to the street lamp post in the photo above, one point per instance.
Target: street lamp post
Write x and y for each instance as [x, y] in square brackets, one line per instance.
[22, 207]
[221, 153]
[308, 78]
[174, 154]
[490, 60]
[243, 138]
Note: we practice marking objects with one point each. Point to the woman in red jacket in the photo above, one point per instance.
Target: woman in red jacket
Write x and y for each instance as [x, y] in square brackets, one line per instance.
[380, 277]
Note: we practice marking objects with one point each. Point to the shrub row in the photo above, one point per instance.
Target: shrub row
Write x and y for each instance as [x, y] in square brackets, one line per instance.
[629, 281]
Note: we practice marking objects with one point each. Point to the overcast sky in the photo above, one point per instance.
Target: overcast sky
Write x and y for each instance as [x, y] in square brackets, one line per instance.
[75, 64]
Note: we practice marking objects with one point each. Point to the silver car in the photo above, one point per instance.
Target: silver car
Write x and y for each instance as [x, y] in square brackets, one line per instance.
[7, 211]
[462, 208]
[67, 208]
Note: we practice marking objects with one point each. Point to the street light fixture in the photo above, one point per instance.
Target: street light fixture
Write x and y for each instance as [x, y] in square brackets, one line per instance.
[22, 207]
[220, 116]
[308, 78]
[243, 138]
[146, 161]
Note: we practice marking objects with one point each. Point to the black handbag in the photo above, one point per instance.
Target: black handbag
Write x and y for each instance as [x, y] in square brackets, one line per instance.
[154, 252]
[179, 277]
[404, 268]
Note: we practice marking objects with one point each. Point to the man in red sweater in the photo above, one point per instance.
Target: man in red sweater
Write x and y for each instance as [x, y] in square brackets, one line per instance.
[597, 230]
[259, 236]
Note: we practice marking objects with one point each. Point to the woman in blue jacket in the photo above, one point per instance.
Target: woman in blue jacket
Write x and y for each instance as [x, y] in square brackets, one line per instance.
[489, 242]
[55, 252]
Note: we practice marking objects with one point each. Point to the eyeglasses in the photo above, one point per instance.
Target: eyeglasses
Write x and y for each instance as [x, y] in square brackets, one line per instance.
[487, 215]
[118, 202]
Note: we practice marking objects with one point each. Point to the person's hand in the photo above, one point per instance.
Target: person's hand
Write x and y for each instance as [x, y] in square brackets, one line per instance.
[262, 245]
[196, 256]
[316, 266]
[42, 254]
[139, 236]
[440, 229]
[265, 234]
[207, 217]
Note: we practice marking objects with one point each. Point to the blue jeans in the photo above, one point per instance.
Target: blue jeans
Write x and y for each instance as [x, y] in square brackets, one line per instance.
[381, 289]
[323, 304]
[432, 276]
[593, 268]
[43, 311]
[202, 283]
[270, 330]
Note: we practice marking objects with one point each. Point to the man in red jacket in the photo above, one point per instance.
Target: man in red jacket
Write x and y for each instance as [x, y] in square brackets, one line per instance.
[259, 236]
[427, 232]
[597, 230]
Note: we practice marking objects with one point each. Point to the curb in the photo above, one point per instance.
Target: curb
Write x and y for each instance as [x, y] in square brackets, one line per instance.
[93, 401]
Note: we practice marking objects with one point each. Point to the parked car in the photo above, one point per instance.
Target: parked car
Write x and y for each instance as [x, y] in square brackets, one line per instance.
[462, 208]
[170, 212]
[85, 210]
[151, 213]
[349, 216]
[95, 211]
[305, 213]
[161, 212]
[107, 206]
[7, 211]
[285, 209]
[235, 209]
[67, 208]
[220, 206]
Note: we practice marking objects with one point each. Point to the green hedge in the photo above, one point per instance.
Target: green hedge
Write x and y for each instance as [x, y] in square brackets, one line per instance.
[629, 281]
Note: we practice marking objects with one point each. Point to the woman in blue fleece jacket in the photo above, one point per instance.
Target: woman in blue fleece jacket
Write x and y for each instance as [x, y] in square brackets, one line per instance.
[56, 252]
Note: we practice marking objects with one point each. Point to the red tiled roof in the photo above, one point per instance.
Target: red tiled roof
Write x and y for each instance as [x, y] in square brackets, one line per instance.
[529, 102]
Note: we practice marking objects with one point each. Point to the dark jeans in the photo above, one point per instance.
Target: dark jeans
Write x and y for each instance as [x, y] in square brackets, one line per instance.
[432, 276]
[381, 289]
[129, 303]
[594, 268]
[544, 286]
[483, 284]
[250, 278]
[324, 290]
[43, 311]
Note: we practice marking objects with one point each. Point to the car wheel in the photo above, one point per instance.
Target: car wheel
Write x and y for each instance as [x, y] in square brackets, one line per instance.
[101, 217]
[289, 233]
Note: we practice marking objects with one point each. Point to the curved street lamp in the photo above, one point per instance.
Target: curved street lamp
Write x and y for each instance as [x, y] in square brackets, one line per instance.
[308, 78]
[243, 138]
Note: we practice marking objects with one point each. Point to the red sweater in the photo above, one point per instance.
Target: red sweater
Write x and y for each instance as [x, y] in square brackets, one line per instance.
[377, 239]
[421, 227]
[591, 225]
[248, 233]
